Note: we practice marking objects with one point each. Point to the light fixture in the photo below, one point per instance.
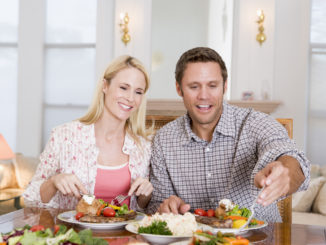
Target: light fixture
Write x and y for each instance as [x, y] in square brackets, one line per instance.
[5, 151]
[261, 37]
[124, 18]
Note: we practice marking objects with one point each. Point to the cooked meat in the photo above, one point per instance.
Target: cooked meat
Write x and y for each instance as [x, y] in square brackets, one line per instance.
[103, 219]
[214, 222]
[85, 208]
[220, 211]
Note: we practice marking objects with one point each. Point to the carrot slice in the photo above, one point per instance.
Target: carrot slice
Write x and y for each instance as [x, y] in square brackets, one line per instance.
[234, 217]
[242, 241]
[98, 213]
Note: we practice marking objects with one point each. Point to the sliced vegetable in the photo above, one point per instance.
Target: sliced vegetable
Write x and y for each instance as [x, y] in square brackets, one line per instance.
[123, 209]
[114, 207]
[79, 215]
[98, 213]
[109, 212]
[201, 212]
[37, 228]
[210, 213]
[235, 217]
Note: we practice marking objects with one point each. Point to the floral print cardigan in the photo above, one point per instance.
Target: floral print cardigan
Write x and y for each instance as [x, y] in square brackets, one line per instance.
[72, 149]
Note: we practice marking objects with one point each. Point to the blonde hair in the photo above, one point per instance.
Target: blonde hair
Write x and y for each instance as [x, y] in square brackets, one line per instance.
[135, 124]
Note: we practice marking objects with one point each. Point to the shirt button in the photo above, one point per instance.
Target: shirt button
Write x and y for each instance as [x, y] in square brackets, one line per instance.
[209, 175]
[207, 149]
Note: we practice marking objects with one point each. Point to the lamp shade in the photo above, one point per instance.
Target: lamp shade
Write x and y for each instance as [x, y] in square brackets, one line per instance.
[5, 150]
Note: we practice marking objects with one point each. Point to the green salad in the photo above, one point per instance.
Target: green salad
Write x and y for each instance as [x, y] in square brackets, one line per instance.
[60, 235]
[237, 211]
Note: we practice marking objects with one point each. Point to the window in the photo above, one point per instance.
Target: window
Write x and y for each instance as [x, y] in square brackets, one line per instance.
[8, 69]
[316, 137]
[69, 61]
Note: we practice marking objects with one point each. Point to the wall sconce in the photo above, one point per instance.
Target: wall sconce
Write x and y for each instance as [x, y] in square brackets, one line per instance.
[261, 37]
[124, 28]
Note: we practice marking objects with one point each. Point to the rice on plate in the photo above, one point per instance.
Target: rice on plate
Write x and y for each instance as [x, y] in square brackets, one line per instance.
[179, 225]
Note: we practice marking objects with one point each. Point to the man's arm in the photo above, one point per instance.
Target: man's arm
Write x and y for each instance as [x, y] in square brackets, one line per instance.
[160, 179]
[281, 177]
[280, 166]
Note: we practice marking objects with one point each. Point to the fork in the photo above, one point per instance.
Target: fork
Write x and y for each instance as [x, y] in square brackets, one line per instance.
[118, 200]
[252, 209]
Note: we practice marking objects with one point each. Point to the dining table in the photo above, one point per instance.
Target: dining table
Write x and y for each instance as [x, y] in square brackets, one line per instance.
[273, 233]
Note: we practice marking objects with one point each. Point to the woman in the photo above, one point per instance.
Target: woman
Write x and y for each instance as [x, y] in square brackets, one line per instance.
[106, 152]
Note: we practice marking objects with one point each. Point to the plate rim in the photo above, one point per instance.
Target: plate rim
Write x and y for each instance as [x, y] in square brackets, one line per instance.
[72, 213]
[235, 230]
[153, 235]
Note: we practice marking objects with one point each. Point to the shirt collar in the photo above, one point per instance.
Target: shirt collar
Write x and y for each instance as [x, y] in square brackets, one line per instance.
[225, 126]
[129, 144]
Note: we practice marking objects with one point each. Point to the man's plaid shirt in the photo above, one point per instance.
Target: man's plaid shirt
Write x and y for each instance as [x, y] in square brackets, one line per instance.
[202, 173]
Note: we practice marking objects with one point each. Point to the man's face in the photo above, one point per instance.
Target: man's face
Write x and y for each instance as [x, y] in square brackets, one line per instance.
[202, 90]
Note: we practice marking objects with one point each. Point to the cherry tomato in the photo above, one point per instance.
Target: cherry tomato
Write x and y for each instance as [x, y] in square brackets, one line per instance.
[201, 212]
[79, 215]
[109, 212]
[210, 213]
[37, 228]
[56, 229]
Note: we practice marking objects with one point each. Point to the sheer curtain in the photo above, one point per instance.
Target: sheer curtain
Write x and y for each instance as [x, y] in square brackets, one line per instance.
[316, 137]
[69, 61]
[8, 69]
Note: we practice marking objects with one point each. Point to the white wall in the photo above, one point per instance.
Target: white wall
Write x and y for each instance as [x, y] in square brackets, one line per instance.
[252, 63]
[292, 63]
[281, 62]
[139, 13]
[30, 77]
[175, 29]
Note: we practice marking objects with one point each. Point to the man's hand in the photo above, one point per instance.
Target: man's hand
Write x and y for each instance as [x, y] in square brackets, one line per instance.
[174, 205]
[280, 178]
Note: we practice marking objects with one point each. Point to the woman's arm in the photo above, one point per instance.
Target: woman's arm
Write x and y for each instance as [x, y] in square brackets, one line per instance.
[67, 184]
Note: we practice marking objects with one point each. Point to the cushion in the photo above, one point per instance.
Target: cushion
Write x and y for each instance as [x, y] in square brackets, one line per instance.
[315, 171]
[319, 205]
[302, 201]
[25, 168]
[7, 175]
[323, 171]
[308, 219]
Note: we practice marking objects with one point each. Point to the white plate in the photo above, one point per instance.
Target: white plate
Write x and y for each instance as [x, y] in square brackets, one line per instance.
[69, 217]
[186, 242]
[234, 231]
[155, 239]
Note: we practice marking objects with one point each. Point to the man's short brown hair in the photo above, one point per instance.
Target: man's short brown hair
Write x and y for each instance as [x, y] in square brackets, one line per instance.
[200, 54]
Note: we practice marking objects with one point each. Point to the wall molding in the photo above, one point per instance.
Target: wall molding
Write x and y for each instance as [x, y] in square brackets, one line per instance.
[175, 107]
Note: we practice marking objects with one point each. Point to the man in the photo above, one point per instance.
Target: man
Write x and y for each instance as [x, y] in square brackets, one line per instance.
[219, 151]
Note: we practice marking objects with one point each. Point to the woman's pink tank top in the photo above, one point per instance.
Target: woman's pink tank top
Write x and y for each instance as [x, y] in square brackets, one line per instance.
[112, 181]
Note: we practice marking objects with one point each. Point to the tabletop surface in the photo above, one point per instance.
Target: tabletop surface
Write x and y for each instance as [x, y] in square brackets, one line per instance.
[275, 233]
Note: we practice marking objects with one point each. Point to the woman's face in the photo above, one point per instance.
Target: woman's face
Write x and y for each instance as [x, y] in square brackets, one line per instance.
[125, 93]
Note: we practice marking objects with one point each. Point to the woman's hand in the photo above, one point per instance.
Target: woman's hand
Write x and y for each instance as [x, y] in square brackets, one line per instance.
[68, 184]
[143, 189]
[141, 186]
